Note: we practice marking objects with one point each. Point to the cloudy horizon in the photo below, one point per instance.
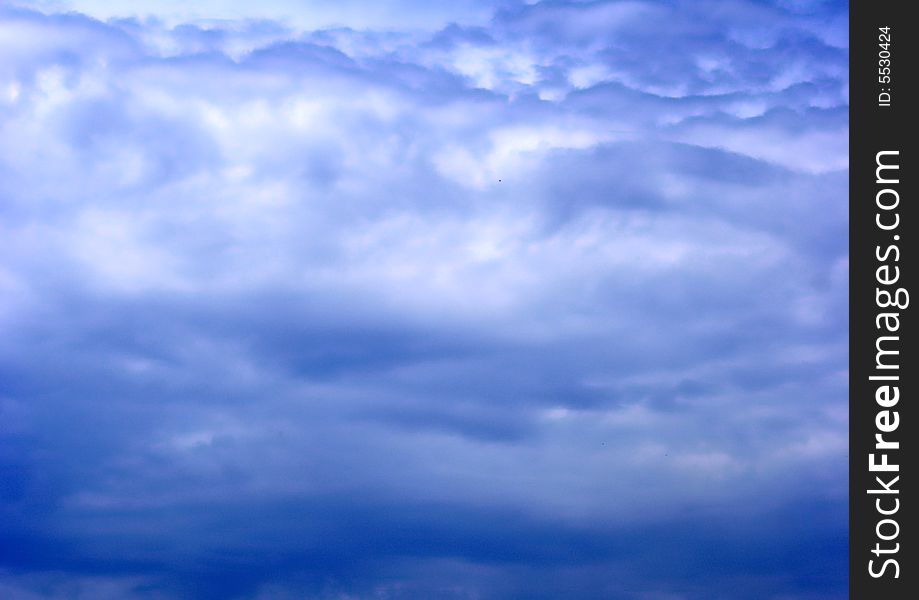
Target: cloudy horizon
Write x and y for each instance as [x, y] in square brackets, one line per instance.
[423, 300]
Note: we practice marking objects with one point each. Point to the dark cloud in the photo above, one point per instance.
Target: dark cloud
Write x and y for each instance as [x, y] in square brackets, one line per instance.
[545, 304]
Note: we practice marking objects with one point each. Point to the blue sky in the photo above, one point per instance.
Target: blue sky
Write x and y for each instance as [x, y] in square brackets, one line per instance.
[423, 300]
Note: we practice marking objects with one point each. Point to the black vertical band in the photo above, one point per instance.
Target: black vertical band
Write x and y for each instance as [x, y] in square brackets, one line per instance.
[883, 366]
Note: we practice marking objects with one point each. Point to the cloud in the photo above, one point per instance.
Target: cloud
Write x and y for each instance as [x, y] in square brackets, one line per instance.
[532, 301]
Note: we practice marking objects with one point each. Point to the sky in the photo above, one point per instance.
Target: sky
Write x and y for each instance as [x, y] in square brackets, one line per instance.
[410, 300]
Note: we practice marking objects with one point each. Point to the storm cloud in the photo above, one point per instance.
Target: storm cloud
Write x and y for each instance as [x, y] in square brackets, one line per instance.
[456, 300]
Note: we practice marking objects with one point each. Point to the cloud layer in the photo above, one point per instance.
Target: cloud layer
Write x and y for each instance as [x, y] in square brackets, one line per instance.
[493, 301]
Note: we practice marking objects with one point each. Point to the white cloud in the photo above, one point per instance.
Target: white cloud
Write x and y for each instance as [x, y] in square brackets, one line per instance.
[521, 265]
